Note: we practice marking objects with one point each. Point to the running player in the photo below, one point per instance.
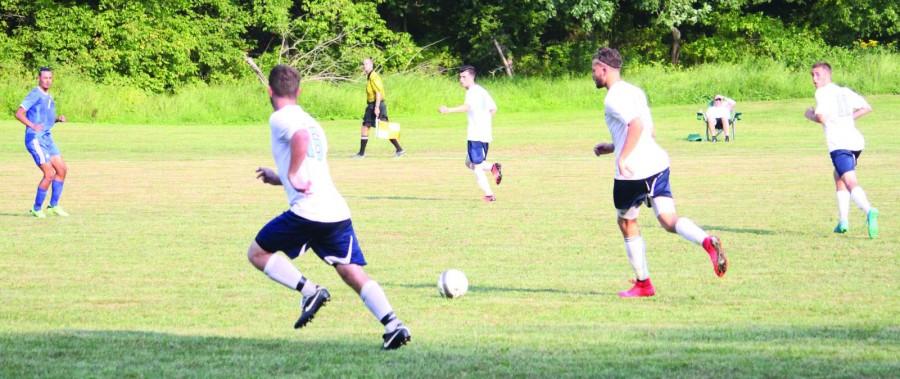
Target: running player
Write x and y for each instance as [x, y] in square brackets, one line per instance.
[642, 172]
[38, 113]
[836, 109]
[318, 217]
[480, 109]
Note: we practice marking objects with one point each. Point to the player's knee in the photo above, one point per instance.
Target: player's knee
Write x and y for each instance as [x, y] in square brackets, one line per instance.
[256, 255]
[470, 165]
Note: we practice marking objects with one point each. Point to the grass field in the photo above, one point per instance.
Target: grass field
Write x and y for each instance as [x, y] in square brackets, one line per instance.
[149, 276]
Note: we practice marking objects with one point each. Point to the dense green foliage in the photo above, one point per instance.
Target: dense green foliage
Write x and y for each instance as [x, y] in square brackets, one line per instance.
[409, 95]
[172, 44]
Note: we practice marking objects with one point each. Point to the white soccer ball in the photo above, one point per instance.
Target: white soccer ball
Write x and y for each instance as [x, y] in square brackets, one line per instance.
[452, 283]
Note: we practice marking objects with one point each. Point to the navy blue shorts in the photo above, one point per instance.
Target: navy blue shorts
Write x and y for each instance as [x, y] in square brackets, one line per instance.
[477, 151]
[334, 242]
[844, 161]
[631, 193]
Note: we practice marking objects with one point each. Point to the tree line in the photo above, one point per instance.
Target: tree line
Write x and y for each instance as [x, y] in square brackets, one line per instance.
[163, 45]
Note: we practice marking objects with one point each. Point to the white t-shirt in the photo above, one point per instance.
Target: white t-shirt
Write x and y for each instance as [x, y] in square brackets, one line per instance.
[479, 115]
[714, 112]
[623, 103]
[836, 105]
[324, 203]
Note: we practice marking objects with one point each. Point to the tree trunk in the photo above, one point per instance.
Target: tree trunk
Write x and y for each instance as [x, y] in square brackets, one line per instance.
[505, 61]
[676, 44]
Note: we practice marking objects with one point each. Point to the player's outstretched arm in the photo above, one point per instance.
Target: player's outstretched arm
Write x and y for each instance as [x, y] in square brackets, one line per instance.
[604, 148]
[462, 108]
[61, 118]
[268, 176]
[299, 148]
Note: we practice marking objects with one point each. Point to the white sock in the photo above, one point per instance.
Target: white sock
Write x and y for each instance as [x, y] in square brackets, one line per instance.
[482, 180]
[843, 199]
[281, 270]
[485, 166]
[690, 231]
[375, 299]
[859, 197]
[637, 256]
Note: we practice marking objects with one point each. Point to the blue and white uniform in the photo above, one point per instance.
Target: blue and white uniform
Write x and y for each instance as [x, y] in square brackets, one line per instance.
[319, 219]
[479, 130]
[836, 104]
[40, 109]
[648, 162]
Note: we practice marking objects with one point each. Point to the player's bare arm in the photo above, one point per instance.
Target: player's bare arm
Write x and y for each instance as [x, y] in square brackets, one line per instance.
[462, 108]
[861, 112]
[61, 118]
[635, 128]
[299, 148]
[604, 148]
[20, 115]
[268, 176]
[378, 99]
[812, 116]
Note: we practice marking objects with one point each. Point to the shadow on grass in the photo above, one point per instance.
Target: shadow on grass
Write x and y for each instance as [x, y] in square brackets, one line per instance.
[739, 230]
[556, 351]
[413, 198]
[488, 289]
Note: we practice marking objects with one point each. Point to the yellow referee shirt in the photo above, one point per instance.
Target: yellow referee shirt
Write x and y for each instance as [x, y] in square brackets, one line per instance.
[373, 86]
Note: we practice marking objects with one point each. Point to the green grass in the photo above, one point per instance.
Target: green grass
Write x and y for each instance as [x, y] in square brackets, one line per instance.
[149, 276]
[408, 96]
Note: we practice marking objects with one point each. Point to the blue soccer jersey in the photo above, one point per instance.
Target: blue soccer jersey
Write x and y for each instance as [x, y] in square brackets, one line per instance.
[39, 109]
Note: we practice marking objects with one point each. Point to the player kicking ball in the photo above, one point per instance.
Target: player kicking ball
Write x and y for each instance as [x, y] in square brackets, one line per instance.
[480, 109]
[318, 217]
[642, 172]
[837, 109]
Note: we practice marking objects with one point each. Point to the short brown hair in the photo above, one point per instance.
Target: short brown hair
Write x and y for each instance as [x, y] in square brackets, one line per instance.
[284, 81]
[822, 64]
[468, 68]
[609, 57]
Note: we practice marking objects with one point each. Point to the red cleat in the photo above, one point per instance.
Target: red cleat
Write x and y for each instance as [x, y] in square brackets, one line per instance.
[489, 199]
[642, 288]
[713, 247]
[498, 175]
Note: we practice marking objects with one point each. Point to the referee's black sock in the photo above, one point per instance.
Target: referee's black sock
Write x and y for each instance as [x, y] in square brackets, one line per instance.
[396, 144]
[362, 145]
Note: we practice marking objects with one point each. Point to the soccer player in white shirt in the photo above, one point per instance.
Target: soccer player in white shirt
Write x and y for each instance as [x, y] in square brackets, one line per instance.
[642, 172]
[318, 217]
[480, 109]
[718, 114]
[836, 109]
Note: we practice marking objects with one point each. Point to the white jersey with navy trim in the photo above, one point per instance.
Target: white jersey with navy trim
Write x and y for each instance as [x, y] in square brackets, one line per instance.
[836, 105]
[625, 102]
[323, 203]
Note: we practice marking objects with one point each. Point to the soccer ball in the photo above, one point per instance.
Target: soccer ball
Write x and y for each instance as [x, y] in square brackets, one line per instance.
[452, 283]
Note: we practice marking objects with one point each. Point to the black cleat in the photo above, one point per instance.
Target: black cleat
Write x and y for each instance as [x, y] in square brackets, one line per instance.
[310, 305]
[396, 339]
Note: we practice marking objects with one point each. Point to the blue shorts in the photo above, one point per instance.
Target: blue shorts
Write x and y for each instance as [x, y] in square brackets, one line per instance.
[334, 242]
[41, 147]
[844, 161]
[631, 193]
[477, 151]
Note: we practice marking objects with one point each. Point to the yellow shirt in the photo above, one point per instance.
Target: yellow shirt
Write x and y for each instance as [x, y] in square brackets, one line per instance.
[373, 86]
